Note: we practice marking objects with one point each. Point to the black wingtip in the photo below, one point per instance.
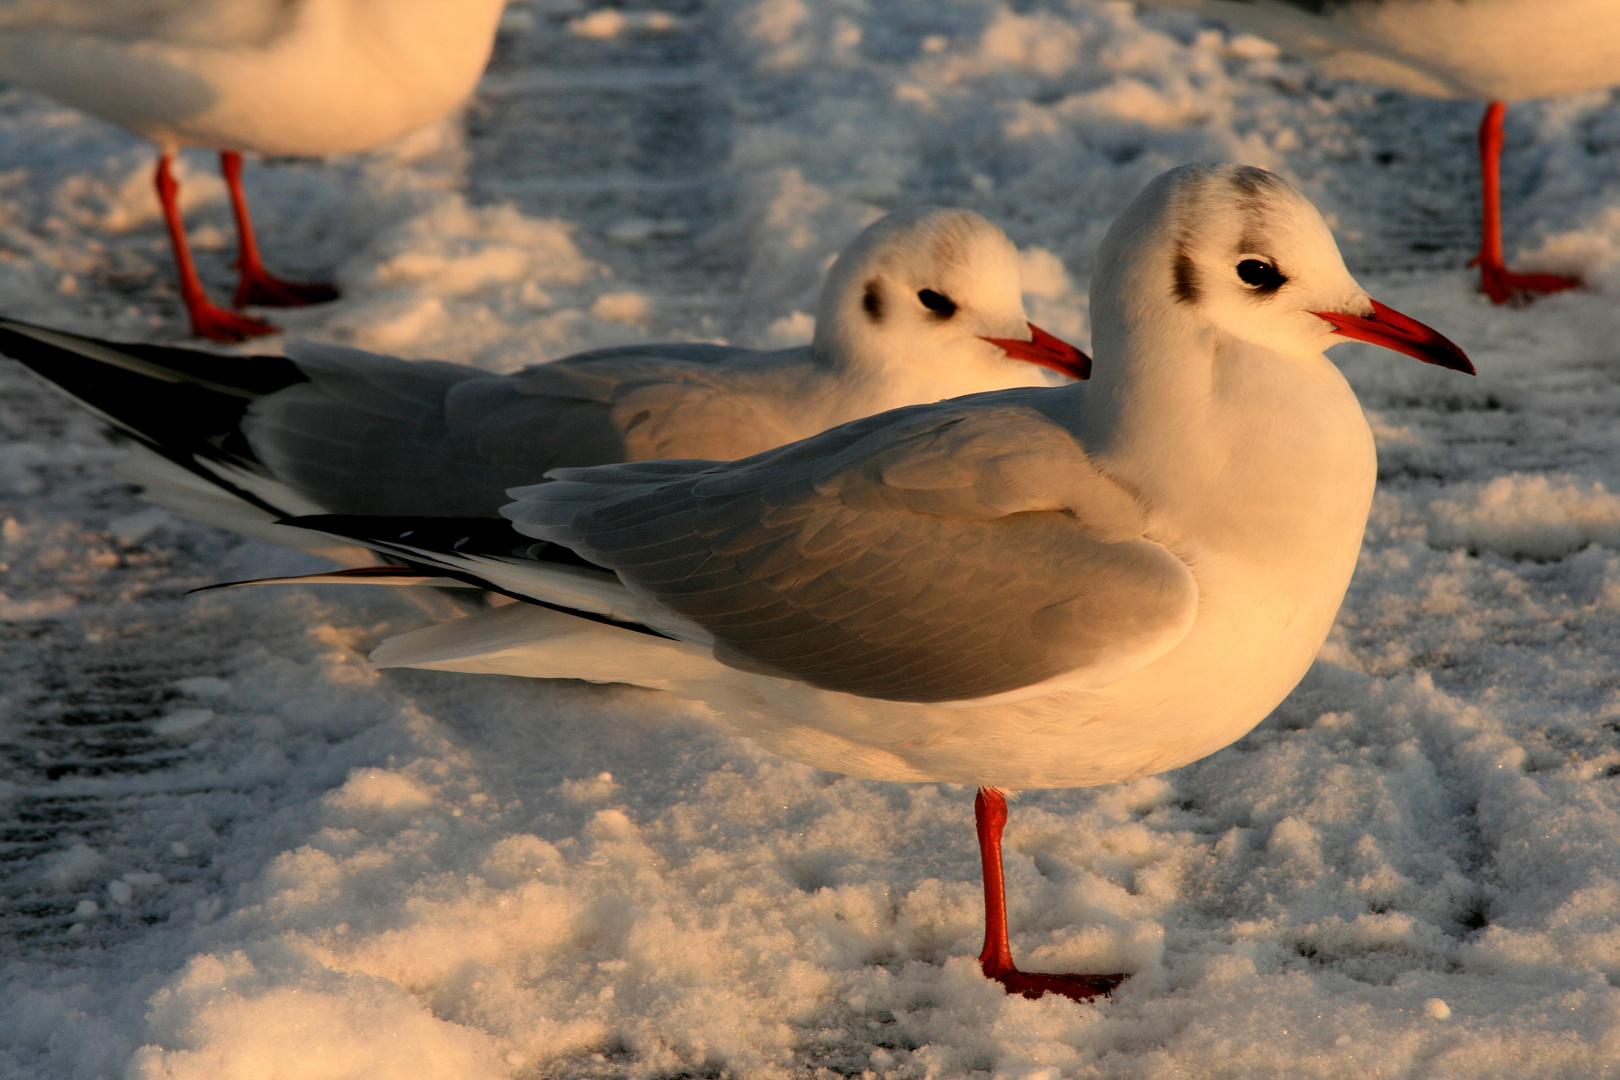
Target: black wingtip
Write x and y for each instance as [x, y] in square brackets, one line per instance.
[47, 349]
[182, 402]
[399, 537]
[448, 536]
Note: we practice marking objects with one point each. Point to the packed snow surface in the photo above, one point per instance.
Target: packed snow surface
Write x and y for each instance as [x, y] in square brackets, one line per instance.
[229, 849]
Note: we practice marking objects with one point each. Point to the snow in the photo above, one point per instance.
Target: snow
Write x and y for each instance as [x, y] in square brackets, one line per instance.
[229, 848]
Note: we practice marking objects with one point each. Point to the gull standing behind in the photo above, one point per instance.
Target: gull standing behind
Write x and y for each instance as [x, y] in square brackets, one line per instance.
[1495, 50]
[293, 77]
[1024, 589]
[925, 304]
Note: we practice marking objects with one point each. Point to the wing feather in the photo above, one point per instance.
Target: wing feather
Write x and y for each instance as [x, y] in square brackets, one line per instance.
[376, 435]
[943, 552]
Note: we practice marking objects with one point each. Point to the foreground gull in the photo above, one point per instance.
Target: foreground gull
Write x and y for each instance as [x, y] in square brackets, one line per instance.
[1031, 588]
[1496, 50]
[290, 77]
[923, 305]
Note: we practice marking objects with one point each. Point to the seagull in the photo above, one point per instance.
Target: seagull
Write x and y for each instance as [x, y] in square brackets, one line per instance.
[286, 77]
[1029, 588]
[925, 304]
[1495, 50]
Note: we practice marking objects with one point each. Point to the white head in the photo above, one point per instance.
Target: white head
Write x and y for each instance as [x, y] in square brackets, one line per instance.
[1236, 251]
[937, 293]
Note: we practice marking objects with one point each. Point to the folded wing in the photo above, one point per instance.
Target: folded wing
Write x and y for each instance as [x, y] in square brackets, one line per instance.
[342, 430]
[944, 552]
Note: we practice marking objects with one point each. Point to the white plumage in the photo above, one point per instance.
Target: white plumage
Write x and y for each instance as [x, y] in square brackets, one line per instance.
[293, 77]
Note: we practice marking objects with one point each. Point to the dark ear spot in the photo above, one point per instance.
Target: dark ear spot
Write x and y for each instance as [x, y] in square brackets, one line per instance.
[937, 302]
[873, 301]
[1184, 283]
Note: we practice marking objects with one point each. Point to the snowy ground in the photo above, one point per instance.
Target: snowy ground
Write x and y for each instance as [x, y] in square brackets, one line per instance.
[229, 849]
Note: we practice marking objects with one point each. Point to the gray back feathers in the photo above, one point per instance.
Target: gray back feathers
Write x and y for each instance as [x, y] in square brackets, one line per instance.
[375, 435]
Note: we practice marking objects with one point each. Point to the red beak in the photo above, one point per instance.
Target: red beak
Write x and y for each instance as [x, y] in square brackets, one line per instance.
[1047, 351]
[1389, 328]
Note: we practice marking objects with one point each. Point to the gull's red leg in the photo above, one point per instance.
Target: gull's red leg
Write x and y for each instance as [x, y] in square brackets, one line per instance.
[990, 815]
[1499, 283]
[207, 321]
[257, 285]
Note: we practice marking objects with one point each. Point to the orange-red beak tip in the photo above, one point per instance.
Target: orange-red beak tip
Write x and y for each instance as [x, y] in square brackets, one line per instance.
[1047, 350]
[1389, 328]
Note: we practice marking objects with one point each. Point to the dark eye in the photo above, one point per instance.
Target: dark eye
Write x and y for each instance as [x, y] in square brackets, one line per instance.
[1260, 275]
[938, 303]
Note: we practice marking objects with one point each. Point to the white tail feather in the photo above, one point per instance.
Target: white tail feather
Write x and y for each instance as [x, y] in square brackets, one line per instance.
[594, 591]
[538, 643]
[191, 496]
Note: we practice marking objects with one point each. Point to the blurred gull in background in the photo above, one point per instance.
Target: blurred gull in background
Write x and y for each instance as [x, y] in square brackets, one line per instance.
[288, 77]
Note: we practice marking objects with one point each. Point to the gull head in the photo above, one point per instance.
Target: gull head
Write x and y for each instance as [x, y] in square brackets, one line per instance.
[936, 292]
[1237, 250]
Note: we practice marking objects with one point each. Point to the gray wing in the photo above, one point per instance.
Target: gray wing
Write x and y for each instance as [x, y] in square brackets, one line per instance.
[376, 435]
[942, 552]
[699, 401]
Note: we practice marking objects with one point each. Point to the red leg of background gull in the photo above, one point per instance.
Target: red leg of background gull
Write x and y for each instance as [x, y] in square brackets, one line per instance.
[1500, 284]
[990, 814]
[207, 321]
[257, 285]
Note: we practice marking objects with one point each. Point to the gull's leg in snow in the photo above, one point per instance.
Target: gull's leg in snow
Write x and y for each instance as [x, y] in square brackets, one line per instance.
[257, 285]
[207, 321]
[990, 814]
[1498, 282]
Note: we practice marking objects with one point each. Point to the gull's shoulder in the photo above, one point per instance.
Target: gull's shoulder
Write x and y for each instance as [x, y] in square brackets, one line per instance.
[692, 400]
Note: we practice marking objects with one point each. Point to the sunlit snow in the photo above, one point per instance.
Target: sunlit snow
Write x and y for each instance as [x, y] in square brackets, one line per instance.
[229, 848]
